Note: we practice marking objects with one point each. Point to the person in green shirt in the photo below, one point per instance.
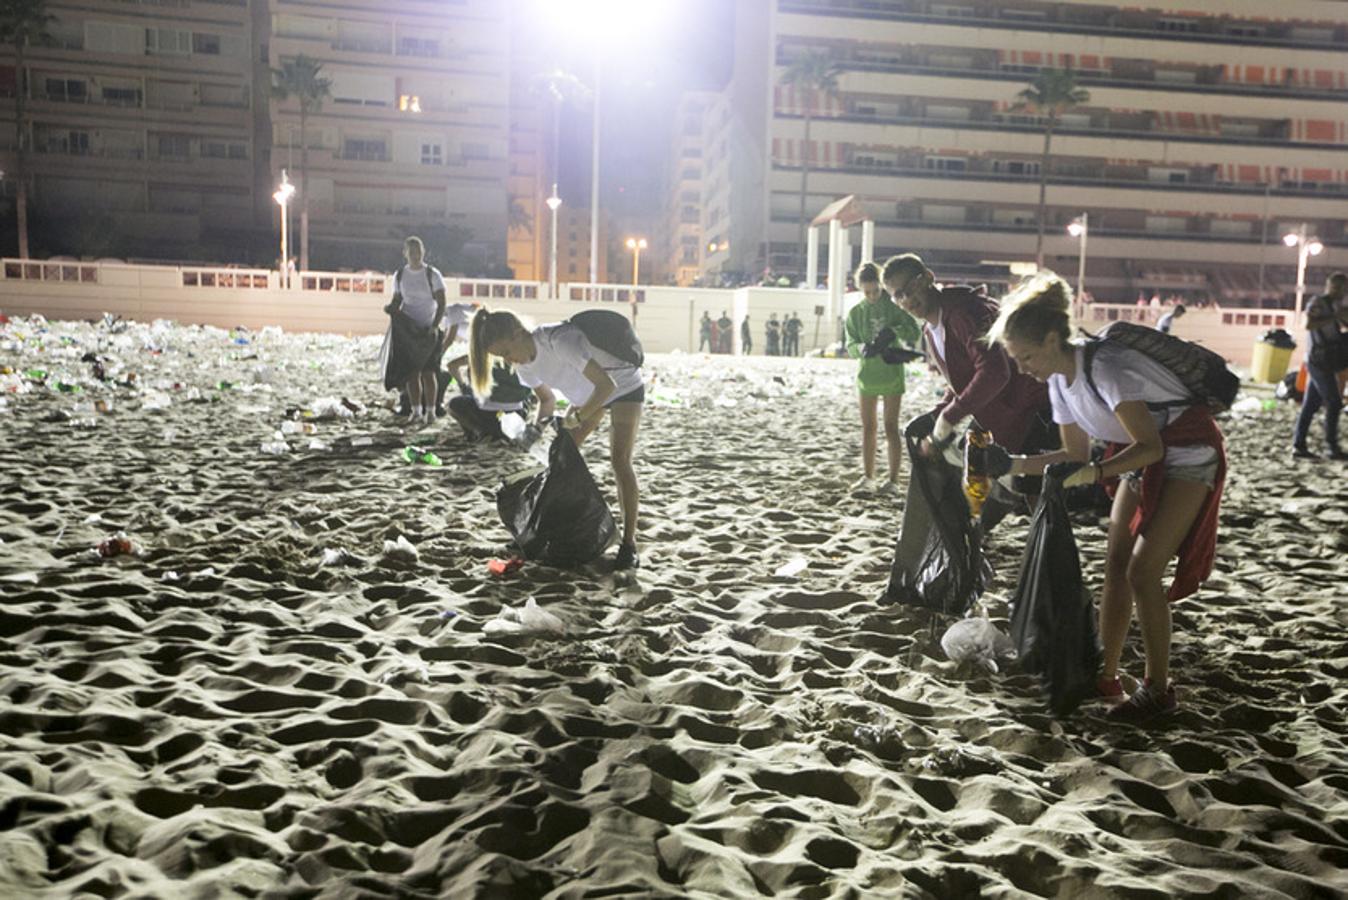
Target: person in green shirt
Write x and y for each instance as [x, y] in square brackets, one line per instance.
[875, 328]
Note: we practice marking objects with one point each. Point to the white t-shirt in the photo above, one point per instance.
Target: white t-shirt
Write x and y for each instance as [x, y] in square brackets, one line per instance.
[563, 353]
[418, 301]
[1121, 374]
[936, 336]
[456, 314]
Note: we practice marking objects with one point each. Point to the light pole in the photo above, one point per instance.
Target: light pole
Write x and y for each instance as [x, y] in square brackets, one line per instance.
[554, 203]
[594, 172]
[1307, 245]
[1080, 227]
[282, 197]
[636, 245]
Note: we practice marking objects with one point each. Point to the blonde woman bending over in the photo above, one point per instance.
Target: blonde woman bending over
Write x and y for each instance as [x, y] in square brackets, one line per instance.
[1166, 466]
[558, 358]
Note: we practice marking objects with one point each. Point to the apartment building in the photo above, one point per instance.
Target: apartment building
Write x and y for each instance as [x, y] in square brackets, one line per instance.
[1211, 130]
[146, 117]
[415, 135]
[682, 239]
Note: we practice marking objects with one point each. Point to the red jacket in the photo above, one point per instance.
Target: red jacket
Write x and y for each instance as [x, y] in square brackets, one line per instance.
[984, 383]
[1195, 427]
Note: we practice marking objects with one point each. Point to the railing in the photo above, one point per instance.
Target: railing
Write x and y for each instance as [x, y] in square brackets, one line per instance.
[341, 282]
[1088, 313]
[604, 293]
[499, 289]
[252, 279]
[30, 270]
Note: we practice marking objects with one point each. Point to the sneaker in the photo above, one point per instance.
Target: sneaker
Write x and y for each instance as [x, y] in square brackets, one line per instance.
[891, 490]
[1303, 453]
[863, 485]
[1337, 455]
[1109, 688]
[627, 557]
[1144, 705]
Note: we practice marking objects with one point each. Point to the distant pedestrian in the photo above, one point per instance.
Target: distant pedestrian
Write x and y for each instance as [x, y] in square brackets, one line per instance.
[725, 336]
[746, 337]
[1325, 318]
[1169, 318]
[792, 328]
[705, 339]
[773, 336]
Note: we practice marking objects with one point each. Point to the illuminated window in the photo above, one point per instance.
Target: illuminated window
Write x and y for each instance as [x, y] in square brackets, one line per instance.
[409, 103]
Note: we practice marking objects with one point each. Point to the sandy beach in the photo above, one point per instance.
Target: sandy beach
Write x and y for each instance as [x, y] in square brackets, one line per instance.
[260, 700]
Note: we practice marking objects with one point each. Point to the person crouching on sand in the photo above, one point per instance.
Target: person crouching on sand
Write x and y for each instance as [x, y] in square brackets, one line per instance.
[1169, 462]
[873, 326]
[560, 358]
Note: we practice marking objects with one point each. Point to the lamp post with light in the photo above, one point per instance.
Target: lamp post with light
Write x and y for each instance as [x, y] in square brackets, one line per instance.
[284, 192]
[1307, 245]
[554, 203]
[1080, 228]
[636, 245]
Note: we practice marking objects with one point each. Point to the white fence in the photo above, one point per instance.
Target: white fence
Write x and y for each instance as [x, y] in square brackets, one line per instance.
[352, 303]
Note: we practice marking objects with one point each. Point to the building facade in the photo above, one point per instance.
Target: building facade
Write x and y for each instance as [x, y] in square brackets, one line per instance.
[1207, 136]
[147, 129]
[414, 137]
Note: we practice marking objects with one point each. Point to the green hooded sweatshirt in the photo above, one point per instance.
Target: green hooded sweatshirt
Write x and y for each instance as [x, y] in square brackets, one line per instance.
[876, 377]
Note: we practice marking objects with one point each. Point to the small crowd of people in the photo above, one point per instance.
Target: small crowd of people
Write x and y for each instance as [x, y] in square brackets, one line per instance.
[781, 337]
[1014, 367]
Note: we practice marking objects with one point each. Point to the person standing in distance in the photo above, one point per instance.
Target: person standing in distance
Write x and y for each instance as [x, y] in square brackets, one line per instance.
[874, 326]
[414, 348]
[558, 358]
[1325, 317]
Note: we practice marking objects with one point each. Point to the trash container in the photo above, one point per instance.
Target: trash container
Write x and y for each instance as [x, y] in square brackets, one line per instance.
[1272, 354]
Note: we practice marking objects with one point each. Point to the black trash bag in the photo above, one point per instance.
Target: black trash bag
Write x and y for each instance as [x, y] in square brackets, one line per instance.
[1278, 337]
[558, 516]
[408, 348]
[938, 561]
[1052, 616]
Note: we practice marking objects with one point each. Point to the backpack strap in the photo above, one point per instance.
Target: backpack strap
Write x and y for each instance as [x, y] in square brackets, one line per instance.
[430, 281]
[1093, 344]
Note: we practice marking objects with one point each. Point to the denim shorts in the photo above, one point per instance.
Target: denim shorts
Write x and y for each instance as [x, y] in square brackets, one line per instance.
[1204, 473]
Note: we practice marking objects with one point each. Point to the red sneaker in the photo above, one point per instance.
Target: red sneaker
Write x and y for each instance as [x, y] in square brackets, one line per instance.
[1144, 705]
[1109, 688]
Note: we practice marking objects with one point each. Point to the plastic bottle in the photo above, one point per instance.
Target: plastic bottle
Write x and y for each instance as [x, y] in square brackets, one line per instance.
[419, 455]
[977, 484]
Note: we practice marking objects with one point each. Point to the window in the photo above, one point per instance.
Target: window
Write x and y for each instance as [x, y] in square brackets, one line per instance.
[690, 197]
[222, 95]
[692, 153]
[1015, 167]
[206, 43]
[1177, 25]
[368, 150]
[944, 163]
[432, 154]
[76, 143]
[471, 150]
[690, 175]
[174, 146]
[167, 42]
[410, 46]
[224, 149]
[121, 96]
[409, 103]
[72, 89]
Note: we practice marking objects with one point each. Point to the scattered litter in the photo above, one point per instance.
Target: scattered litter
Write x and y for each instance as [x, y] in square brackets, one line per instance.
[316, 444]
[530, 617]
[420, 455]
[1246, 406]
[362, 441]
[275, 448]
[117, 545]
[333, 408]
[794, 567]
[208, 572]
[400, 548]
[337, 556]
[170, 575]
[501, 567]
[977, 640]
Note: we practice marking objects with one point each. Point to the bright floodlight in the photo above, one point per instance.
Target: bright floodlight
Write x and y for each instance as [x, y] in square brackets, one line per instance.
[1314, 247]
[636, 243]
[553, 202]
[1290, 239]
[602, 21]
[1076, 228]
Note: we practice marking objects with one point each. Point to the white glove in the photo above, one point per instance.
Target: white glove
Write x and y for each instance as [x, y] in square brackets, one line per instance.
[943, 430]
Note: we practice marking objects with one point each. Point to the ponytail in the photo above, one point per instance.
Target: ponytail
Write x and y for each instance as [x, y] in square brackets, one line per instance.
[1034, 309]
[486, 330]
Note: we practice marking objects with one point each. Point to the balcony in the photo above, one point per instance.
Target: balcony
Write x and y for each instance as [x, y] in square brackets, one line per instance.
[908, 63]
[868, 9]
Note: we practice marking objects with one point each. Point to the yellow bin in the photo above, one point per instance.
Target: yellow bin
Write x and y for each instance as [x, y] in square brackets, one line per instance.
[1269, 363]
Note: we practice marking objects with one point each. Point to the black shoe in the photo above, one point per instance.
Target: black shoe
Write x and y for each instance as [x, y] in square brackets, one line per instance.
[1337, 455]
[1303, 453]
[627, 557]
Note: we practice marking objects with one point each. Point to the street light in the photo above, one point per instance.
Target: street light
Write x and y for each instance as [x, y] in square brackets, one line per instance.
[554, 203]
[636, 245]
[1080, 227]
[282, 197]
[1308, 245]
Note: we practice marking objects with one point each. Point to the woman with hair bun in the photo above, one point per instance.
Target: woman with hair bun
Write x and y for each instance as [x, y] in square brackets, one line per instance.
[1166, 465]
[559, 358]
[874, 326]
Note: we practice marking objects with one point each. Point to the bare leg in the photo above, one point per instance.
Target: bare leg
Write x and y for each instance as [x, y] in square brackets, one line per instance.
[1175, 513]
[1116, 600]
[893, 440]
[428, 390]
[626, 422]
[868, 435]
[414, 393]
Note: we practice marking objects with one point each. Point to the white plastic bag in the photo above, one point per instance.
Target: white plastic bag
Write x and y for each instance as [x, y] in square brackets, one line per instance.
[977, 640]
[530, 617]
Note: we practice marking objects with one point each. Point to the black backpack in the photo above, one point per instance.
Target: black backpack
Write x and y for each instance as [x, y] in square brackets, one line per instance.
[611, 332]
[1203, 373]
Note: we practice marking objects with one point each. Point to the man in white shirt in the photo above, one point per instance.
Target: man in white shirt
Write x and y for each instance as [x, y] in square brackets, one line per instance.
[419, 299]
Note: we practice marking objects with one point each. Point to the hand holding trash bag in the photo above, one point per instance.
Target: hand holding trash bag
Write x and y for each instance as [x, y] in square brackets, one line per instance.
[897, 356]
[557, 516]
[996, 461]
[876, 345]
[920, 426]
[1073, 474]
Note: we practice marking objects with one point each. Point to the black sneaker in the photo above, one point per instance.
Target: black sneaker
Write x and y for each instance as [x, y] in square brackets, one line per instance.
[1303, 453]
[627, 557]
[1337, 455]
[1145, 704]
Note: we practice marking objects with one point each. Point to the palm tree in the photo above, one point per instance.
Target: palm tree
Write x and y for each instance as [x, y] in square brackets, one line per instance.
[299, 77]
[813, 73]
[23, 23]
[1052, 93]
